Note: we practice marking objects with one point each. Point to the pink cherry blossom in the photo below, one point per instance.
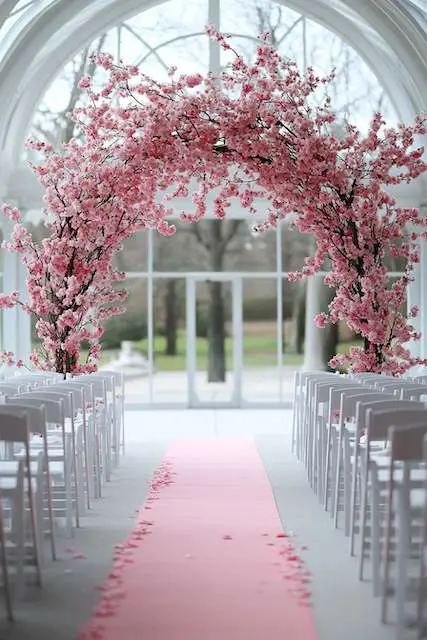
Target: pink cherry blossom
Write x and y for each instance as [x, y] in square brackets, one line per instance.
[256, 133]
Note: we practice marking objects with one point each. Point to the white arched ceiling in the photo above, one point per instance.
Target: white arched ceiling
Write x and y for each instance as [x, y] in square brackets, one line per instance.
[388, 34]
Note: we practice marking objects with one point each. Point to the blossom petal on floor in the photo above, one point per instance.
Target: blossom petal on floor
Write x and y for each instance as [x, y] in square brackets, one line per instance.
[208, 558]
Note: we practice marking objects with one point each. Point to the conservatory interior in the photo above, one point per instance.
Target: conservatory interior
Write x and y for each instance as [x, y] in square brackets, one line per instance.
[213, 418]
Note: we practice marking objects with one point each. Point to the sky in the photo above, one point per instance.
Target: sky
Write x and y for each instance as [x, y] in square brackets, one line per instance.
[166, 35]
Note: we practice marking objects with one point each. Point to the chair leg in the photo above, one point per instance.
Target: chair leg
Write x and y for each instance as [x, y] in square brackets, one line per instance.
[74, 472]
[86, 460]
[355, 472]
[327, 466]
[402, 573]
[375, 534]
[6, 581]
[347, 484]
[50, 501]
[363, 522]
[333, 470]
[384, 601]
[18, 534]
[34, 531]
[68, 464]
[338, 477]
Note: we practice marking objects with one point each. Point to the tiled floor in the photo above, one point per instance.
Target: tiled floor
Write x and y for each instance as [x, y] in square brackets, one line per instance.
[142, 426]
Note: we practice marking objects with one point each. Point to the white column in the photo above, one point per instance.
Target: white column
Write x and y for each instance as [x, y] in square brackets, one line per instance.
[313, 357]
[422, 277]
[24, 321]
[10, 322]
[16, 328]
[214, 10]
[414, 298]
[150, 312]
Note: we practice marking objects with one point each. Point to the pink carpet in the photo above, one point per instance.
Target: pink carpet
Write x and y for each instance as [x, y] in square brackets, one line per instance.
[208, 558]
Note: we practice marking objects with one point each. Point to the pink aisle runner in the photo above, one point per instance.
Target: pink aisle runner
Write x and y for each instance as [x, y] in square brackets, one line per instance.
[208, 558]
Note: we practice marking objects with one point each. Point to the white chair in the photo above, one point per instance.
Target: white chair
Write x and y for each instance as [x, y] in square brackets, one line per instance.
[318, 419]
[80, 394]
[302, 402]
[387, 404]
[36, 416]
[96, 414]
[116, 388]
[406, 449]
[60, 452]
[333, 428]
[378, 423]
[103, 387]
[66, 396]
[346, 427]
[14, 430]
[318, 396]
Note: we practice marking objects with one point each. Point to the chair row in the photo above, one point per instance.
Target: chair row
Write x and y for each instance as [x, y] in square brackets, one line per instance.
[59, 442]
[360, 438]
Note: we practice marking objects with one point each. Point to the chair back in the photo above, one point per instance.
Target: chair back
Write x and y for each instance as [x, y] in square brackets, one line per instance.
[413, 392]
[36, 414]
[13, 428]
[52, 393]
[53, 407]
[407, 443]
[349, 401]
[379, 421]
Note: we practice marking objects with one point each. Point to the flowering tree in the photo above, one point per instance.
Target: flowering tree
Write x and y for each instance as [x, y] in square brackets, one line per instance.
[258, 133]
[70, 273]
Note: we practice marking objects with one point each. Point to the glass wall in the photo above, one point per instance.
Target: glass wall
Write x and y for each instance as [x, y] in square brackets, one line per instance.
[211, 317]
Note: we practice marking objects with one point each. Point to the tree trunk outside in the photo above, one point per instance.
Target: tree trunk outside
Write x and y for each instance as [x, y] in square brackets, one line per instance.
[216, 334]
[296, 338]
[171, 318]
[216, 308]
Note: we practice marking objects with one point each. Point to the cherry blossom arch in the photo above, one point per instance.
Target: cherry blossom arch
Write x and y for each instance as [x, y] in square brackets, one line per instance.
[259, 130]
[381, 62]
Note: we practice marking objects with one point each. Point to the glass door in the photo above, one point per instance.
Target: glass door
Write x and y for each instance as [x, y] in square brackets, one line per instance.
[214, 340]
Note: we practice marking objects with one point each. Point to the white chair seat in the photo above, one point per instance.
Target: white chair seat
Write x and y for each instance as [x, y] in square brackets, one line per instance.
[8, 483]
[10, 467]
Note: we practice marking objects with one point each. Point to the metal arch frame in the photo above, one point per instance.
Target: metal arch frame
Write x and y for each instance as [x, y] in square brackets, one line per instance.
[64, 27]
[374, 49]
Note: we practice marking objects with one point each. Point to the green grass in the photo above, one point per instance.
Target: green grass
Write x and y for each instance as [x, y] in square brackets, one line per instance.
[258, 351]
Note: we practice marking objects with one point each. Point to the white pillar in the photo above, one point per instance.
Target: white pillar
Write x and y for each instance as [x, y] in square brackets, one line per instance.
[414, 298]
[214, 15]
[10, 283]
[24, 320]
[422, 276]
[16, 330]
[313, 356]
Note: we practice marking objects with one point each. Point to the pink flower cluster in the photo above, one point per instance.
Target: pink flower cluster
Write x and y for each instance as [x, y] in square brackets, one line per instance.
[252, 133]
